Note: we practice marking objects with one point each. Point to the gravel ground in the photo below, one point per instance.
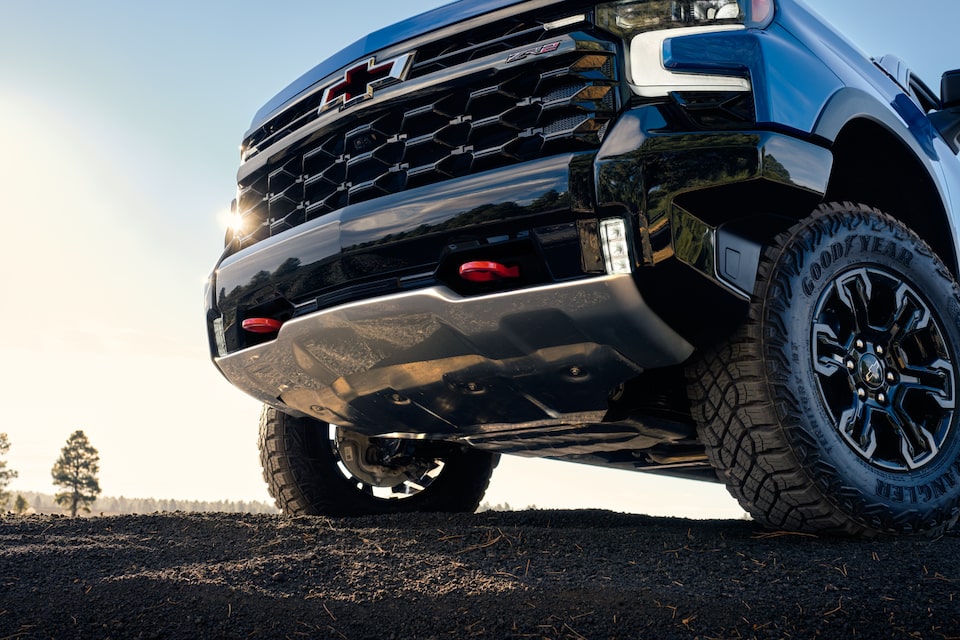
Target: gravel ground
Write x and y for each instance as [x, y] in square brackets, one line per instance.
[534, 574]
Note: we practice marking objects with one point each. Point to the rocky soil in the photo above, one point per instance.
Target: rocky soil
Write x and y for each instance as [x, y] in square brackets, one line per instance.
[535, 574]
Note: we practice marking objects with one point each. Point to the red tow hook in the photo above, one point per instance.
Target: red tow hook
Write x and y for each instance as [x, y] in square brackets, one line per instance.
[483, 271]
[261, 325]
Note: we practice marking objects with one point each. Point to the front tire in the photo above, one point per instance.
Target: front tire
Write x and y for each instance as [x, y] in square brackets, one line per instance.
[312, 468]
[833, 409]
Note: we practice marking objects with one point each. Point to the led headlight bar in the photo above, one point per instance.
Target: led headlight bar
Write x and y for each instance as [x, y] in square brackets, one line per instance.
[645, 25]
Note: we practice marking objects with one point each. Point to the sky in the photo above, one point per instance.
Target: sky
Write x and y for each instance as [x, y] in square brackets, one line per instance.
[120, 123]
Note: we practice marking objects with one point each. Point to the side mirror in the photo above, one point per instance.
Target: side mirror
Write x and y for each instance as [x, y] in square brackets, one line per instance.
[947, 119]
[950, 89]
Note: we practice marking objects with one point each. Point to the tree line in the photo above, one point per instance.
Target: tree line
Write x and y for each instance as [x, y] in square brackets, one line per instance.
[75, 473]
[37, 502]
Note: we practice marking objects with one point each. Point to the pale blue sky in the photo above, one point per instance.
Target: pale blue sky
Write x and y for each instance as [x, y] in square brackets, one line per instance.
[120, 122]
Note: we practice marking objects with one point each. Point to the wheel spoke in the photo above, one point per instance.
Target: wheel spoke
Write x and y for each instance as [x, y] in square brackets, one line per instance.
[831, 355]
[856, 426]
[916, 443]
[855, 292]
[409, 487]
[910, 316]
[934, 380]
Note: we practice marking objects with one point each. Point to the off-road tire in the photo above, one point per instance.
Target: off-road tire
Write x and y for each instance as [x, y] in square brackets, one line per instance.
[767, 414]
[301, 472]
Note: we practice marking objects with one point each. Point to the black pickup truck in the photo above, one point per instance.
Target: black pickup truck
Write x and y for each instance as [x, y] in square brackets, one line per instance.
[702, 238]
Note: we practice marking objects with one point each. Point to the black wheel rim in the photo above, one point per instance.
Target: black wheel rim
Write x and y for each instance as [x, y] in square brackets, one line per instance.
[404, 479]
[884, 369]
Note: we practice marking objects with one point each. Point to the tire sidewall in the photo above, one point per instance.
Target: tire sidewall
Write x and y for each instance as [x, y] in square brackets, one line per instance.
[821, 249]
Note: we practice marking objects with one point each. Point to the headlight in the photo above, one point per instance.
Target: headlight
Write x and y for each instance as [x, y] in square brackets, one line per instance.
[646, 25]
[630, 17]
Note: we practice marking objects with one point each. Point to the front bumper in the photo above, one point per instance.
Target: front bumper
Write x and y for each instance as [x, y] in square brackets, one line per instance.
[432, 363]
[400, 242]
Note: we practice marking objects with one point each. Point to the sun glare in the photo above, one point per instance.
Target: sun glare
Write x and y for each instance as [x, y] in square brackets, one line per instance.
[229, 221]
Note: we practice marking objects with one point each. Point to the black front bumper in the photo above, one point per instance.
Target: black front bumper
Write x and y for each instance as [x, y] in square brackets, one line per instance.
[381, 334]
[526, 215]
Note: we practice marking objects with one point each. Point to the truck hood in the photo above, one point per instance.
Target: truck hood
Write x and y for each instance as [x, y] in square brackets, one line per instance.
[386, 37]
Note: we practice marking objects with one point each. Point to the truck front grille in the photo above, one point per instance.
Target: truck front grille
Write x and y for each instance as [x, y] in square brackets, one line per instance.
[494, 118]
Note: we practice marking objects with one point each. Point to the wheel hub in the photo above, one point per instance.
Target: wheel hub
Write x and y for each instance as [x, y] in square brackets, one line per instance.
[871, 372]
[378, 463]
[362, 456]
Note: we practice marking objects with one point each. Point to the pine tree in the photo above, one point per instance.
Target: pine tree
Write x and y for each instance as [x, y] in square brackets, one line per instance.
[20, 505]
[76, 472]
[6, 475]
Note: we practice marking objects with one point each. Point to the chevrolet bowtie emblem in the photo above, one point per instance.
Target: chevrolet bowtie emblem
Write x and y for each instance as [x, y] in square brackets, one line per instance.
[360, 81]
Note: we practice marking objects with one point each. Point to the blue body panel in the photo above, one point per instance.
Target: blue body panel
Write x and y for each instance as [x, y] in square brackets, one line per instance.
[388, 36]
[811, 81]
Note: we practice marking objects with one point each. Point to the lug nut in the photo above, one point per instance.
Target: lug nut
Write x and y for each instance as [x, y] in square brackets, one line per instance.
[879, 350]
[861, 394]
[891, 377]
[851, 365]
[859, 344]
[881, 397]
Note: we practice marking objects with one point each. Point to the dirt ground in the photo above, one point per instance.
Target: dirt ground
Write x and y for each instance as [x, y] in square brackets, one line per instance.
[533, 574]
